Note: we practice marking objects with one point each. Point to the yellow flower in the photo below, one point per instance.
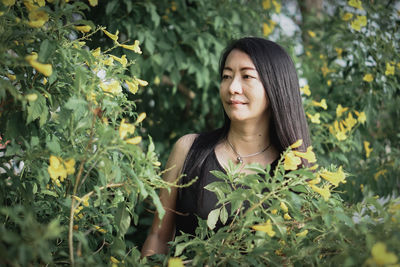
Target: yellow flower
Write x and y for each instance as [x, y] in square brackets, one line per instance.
[306, 90]
[268, 29]
[284, 207]
[96, 52]
[379, 173]
[274, 211]
[356, 3]
[286, 216]
[134, 47]
[141, 82]
[340, 134]
[114, 37]
[266, 228]
[141, 117]
[297, 144]
[350, 121]
[93, 2]
[321, 104]
[389, 69]
[8, 2]
[362, 187]
[340, 110]
[70, 166]
[132, 86]
[314, 118]
[368, 150]
[325, 70]
[329, 82]
[113, 87]
[84, 28]
[315, 181]
[359, 22]
[334, 177]
[381, 256]
[125, 128]
[308, 155]
[45, 69]
[266, 4]
[99, 229]
[312, 34]
[291, 161]
[109, 61]
[324, 192]
[361, 116]
[134, 141]
[368, 77]
[175, 262]
[313, 167]
[157, 80]
[121, 60]
[114, 260]
[56, 168]
[37, 18]
[277, 6]
[339, 51]
[347, 16]
[302, 233]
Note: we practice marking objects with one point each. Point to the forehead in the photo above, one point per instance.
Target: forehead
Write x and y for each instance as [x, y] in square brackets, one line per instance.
[238, 59]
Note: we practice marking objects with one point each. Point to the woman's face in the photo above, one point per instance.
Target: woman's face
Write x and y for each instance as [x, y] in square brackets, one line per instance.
[242, 93]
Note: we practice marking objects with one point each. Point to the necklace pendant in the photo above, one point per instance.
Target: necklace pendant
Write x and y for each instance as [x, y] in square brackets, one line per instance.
[239, 159]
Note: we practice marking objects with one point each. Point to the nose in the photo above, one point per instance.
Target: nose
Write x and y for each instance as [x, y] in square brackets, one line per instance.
[235, 86]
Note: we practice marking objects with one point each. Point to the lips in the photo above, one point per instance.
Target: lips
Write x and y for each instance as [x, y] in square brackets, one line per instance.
[236, 102]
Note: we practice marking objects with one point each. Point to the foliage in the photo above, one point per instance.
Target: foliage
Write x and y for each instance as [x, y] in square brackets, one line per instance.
[73, 168]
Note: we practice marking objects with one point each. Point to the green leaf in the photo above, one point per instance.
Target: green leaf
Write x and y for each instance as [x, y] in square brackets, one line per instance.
[53, 145]
[37, 109]
[47, 49]
[223, 216]
[213, 218]
[122, 219]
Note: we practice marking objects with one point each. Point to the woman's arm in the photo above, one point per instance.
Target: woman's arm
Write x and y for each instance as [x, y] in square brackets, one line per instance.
[163, 231]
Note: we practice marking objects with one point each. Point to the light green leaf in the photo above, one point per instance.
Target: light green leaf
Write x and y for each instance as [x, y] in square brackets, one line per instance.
[213, 218]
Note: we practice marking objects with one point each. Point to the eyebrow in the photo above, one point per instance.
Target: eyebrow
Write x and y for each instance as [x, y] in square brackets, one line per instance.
[241, 69]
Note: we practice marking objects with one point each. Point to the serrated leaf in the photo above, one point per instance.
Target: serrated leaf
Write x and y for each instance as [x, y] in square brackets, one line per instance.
[213, 218]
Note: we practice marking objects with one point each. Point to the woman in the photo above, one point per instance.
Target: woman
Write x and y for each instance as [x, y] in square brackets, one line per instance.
[260, 94]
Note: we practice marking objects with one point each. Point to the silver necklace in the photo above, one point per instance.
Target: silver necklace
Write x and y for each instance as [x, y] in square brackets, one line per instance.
[240, 158]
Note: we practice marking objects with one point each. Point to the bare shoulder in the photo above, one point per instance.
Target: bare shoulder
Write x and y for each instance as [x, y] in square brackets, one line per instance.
[179, 152]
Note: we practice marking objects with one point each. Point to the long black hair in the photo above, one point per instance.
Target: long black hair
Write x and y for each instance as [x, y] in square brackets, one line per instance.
[278, 75]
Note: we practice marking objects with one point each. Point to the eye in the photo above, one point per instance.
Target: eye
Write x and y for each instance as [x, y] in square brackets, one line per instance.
[225, 76]
[246, 76]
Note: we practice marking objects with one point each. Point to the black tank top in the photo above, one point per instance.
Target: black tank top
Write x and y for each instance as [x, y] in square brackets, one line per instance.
[194, 200]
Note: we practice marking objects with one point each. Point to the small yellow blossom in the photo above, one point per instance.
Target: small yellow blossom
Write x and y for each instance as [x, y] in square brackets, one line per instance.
[359, 22]
[302, 233]
[312, 34]
[340, 110]
[141, 117]
[45, 69]
[355, 3]
[339, 52]
[350, 121]
[132, 86]
[362, 187]
[297, 144]
[324, 192]
[321, 104]
[157, 80]
[83, 28]
[99, 229]
[361, 117]
[134, 140]
[313, 167]
[314, 118]
[286, 216]
[93, 2]
[368, 150]
[266, 4]
[277, 6]
[309, 155]
[389, 69]
[315, 181]
[334, 177]
[368, 77]
[381, 256]
[329, 82]
[114, 37]
[141, 82]
[109, 61]
[121, 60]
[37, 18]
[325, 70]
[268, 29]
[291, 161]
[175, 262]
[96, 52]
[125, 129]
[347, 16]
[306, 90]
[113, 87]
[70, 166]
[284, 207]
[274, 211]
[266, 228]
[134, 47]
